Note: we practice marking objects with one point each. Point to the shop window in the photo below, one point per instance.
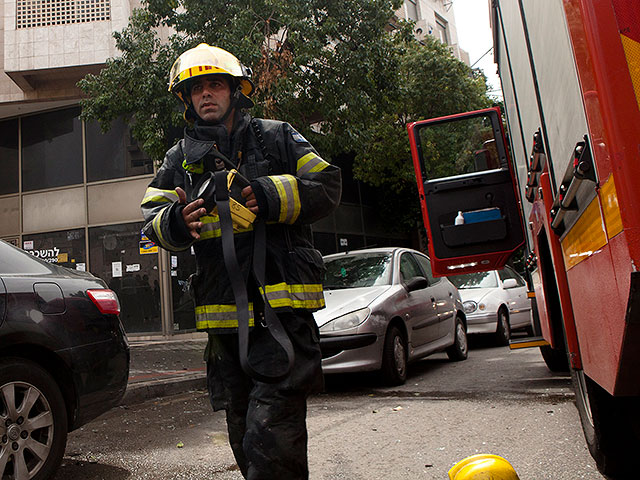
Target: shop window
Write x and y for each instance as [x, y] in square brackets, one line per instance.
[114, 154]
[119, 255]
[65, 248]
[183, 264]
[51, 150]
[9, 157]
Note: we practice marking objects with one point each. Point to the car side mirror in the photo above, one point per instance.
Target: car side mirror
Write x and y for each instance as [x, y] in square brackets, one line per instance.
[417, 283]
[510, 283]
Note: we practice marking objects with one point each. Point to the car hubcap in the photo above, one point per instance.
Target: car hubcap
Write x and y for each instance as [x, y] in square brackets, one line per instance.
[399, 355]
[26, 430]
[462, 338]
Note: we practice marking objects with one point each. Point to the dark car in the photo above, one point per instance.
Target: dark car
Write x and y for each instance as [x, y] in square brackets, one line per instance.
[64, 359]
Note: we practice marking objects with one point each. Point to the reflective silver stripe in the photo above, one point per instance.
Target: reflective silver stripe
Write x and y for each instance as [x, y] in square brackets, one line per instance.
[295, 296]
[310, 163]
[156, 195]
[220, 316]
[287, 188]
[210, 227]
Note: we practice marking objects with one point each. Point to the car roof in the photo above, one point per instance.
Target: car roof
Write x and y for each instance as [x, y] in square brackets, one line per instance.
[371, 250]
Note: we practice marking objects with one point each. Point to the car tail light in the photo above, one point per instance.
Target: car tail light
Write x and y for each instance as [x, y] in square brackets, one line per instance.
[106, 301]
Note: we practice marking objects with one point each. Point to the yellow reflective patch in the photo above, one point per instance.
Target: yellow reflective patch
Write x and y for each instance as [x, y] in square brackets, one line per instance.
[586, 237]
[610, 208]
[632, 52]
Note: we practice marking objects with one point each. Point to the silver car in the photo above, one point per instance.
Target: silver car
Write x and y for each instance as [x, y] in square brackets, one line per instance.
[495, 302]
[384, 309]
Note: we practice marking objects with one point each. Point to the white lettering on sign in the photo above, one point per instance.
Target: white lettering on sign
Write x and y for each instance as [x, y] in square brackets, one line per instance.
[135, 267]
[47, 254]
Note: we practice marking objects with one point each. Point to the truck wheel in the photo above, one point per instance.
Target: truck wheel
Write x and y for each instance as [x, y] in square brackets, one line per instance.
[460, 348]
[611, 427]
[394, 357]
[33, 432]
[503, 331]
[555, 358]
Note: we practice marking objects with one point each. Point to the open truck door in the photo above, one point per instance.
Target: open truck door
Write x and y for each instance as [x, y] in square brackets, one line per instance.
[468, 193]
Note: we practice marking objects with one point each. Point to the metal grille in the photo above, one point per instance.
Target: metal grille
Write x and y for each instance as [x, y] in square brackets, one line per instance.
[44, 13]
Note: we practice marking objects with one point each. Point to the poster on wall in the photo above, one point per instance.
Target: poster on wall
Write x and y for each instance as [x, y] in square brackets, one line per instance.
[146, 245]
[116, 269]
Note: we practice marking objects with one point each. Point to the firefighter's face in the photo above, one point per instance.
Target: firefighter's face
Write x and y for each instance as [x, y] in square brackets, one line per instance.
[211, 97]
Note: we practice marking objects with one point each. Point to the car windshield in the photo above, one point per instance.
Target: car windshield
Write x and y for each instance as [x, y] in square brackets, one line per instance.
[475, 280]
[353, 271]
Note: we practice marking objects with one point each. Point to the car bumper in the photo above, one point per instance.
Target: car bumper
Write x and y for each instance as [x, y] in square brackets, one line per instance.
[351, 353]
[482, 323]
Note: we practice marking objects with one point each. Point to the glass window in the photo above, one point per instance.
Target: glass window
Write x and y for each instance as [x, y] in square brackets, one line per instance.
[409, 267]
[9, 157]
[65, 248]
[51, 149]
[118, 257]
[441, 30]
[183, 264]
[475, 280]
[425, 263]
[355, 271]
[15, 261]
[507, 272]
[412, 10]
[114, 154]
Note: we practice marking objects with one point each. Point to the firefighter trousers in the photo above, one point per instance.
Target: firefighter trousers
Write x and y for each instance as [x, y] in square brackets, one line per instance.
[267, 422]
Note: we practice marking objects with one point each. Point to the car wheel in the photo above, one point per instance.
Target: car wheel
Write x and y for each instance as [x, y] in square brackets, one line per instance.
[460, 348]
[33, 426]
[555, 358]
[503, 332]
[394, 357]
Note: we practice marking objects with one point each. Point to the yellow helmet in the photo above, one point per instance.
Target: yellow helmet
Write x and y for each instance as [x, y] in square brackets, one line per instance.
[483, 467]
[207, 60]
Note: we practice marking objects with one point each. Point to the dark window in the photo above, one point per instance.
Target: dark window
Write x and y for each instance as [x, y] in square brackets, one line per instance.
[15, 261]
[118, 257]
[183, 264]
[9, 157]
[65, 248]
[409, 267]
[425, 263]
[114, 154]
[51, 150]
[325, 242]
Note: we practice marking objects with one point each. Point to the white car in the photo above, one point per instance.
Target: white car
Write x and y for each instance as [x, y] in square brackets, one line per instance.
[495, 302]
[384, 309]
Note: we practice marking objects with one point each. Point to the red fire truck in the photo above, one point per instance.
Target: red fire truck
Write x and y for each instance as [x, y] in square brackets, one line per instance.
[565, 184]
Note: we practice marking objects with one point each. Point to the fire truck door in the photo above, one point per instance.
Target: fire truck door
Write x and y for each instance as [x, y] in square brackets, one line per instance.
[467, 189]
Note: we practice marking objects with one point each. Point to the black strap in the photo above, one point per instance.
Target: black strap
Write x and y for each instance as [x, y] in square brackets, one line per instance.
[240, 289]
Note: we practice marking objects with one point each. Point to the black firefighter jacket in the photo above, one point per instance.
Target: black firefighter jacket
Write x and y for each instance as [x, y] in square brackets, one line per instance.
[294, 187]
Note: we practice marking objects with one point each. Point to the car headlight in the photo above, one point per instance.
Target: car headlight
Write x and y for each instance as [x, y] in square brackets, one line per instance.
[347, 321]
[469, 306]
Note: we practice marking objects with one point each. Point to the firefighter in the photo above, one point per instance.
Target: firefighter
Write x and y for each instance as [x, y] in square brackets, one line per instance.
[287, 186]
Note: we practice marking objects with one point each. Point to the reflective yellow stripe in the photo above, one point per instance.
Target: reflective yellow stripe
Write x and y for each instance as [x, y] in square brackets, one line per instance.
[310, 163]
[295, 296]
[585, 237]
[220, 316]
[632, 52]
[287, 188]
[610, 208]
[157, 227]
[196, 167]
[157, 195]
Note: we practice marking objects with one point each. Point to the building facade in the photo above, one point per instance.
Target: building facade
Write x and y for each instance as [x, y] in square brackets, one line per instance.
[70, 194]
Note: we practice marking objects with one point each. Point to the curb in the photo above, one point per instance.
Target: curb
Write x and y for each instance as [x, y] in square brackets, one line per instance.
[141, 392]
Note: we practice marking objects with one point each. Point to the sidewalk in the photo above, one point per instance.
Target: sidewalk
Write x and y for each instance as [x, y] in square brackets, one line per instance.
[165, 367]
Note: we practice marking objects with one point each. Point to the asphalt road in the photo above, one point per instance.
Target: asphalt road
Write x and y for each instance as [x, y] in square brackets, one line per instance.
[497, 401]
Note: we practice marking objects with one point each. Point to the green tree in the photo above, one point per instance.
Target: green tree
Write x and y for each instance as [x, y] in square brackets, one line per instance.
[335, 70]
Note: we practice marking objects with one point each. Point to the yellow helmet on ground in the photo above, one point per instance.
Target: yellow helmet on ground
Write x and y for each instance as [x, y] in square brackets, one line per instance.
[207, 60]
[483, 467]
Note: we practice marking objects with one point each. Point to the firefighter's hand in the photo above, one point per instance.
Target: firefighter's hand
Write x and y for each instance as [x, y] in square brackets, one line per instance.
[250, 197]
[191, 213]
